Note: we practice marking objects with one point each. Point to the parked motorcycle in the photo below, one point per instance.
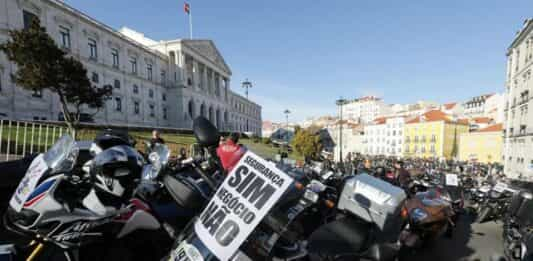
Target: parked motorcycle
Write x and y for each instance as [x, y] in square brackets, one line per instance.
[517, 233]
[93, 212]
[496, 203]
[429, 217]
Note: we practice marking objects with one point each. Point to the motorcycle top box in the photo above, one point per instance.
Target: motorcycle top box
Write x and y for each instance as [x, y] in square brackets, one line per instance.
[375, 201]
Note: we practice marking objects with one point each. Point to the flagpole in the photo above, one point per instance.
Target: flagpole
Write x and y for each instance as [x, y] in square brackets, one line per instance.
[190, 23]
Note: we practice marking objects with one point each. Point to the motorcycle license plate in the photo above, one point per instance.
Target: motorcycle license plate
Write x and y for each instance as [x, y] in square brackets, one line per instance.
[186, 252]
[26, 186]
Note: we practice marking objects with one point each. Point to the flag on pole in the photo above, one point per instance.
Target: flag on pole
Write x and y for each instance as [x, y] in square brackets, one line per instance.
[187, 8]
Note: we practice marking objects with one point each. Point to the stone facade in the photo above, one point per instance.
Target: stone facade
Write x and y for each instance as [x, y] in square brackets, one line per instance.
[518, 122]
[156, 83]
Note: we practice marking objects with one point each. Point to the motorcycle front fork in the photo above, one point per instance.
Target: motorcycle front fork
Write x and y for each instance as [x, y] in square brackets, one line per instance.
[36, 251]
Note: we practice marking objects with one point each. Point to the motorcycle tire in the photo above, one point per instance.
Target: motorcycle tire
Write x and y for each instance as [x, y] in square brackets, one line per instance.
[484, 215]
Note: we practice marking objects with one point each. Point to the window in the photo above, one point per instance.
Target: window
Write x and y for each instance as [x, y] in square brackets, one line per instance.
[65, 36]
[151, 93]
[165, 113]
[149, 71]
[152, 113]
[136, 107]
[135, 89]
[118, 104]
[116, 84]
[28, 18]
[164, 97]
[432, 148]
[114, 54]
[94, 77]
[93, 54]
[163, 76]
[37, 93]
[133, 62]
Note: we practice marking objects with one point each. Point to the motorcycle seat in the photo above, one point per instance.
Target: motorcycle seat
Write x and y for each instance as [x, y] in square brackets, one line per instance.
[185, 192]
[344, 236]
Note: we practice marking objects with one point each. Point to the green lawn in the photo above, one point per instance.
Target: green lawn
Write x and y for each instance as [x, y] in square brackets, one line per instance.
[38, 138]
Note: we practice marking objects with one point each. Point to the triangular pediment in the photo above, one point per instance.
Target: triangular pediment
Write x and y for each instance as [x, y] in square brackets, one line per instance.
[208, 49]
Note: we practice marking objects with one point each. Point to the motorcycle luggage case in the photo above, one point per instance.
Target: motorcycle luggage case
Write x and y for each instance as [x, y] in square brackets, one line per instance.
[374, 201]
[516, 202]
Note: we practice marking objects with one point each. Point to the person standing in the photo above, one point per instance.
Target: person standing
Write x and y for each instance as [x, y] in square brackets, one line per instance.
[156, 138]
[403, 177]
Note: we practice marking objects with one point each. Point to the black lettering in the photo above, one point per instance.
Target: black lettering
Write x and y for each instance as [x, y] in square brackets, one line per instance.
[249, 217]
[258, 193]
[245, 182]
[232, 203]
[214, 222]
[227, 233]
[208, 212]
[235, 179]
[237, 210]
[221, 193]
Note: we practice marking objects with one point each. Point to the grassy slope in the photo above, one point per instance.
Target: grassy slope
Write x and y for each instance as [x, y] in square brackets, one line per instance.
[175, 141]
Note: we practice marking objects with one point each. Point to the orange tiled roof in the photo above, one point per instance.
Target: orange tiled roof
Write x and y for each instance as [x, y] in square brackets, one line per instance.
[449, 106]
[433, 115]
[380, 120]
[492, 128]
[482, 120]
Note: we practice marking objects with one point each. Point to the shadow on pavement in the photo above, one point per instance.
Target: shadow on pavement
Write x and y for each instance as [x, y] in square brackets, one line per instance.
[470, 241]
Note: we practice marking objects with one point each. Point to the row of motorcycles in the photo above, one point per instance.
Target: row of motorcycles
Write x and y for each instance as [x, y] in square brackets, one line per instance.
[513, 207]
[104, 200]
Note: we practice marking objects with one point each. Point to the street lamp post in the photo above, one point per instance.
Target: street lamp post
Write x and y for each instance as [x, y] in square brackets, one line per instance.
[287, 112]
[246, 85]
[340, 102]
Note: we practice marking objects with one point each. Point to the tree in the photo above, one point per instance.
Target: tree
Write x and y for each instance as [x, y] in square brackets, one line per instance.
[42, 65]
[307, 143]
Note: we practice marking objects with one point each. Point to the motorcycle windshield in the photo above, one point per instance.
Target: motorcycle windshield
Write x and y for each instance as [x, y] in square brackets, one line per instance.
[61, 157]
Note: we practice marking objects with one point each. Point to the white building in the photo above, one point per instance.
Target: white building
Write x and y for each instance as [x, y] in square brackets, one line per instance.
[352, 140]
[156, 83]
[518, 123]
[365, 109]
[395, 137]
[375, 138]
[408, 110]
[488, 105]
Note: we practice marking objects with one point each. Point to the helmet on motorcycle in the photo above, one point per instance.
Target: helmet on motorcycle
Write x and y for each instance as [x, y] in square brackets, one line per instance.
[114, 172]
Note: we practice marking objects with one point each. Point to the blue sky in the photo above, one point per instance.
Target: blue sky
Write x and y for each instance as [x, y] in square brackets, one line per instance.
[302, 55]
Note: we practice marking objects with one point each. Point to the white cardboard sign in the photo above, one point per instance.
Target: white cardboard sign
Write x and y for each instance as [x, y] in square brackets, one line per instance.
[37, 168]
[247, 194]
[452, 180]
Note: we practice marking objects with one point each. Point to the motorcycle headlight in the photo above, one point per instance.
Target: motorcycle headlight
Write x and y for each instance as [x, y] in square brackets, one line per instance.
[418, 214]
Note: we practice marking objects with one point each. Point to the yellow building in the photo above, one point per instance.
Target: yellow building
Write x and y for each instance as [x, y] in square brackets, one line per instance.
[484, 145]
[434, 134]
